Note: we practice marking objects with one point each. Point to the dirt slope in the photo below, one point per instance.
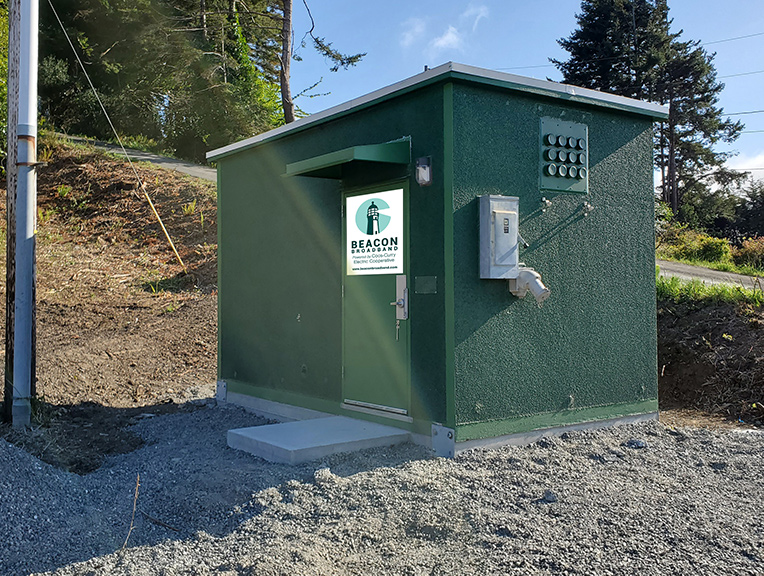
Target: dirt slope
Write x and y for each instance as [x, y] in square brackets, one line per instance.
[121, 327]
[711, 362]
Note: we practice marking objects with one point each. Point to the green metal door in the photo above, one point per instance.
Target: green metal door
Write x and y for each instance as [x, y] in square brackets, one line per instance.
[375, 302]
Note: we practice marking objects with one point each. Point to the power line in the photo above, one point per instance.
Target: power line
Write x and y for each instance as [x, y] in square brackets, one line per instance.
[744, 113]
[582, 62]
[752, 131]
[526, 67]
[742, 74]
[682, 81]
[735, 38]
[626, 56]
[119, 140]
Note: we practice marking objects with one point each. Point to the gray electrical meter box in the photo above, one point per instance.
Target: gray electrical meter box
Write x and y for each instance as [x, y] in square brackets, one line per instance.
[564, 156]
[499, 256]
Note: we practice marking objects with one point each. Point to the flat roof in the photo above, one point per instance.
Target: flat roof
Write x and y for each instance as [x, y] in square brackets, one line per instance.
[454, 71]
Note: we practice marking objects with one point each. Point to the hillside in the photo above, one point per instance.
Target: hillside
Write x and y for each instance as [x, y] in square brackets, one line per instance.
[123, 332]
[711, 364]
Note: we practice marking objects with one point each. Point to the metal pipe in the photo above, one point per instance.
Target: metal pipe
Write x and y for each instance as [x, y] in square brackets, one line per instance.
[26, 209]
[28, 68]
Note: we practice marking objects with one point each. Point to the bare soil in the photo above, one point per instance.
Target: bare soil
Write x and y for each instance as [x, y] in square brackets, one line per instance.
[125, 332]
[122, 329]
[711, 364]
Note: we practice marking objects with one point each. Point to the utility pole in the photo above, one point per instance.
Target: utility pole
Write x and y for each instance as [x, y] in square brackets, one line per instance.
[20, 355]
[11, 171]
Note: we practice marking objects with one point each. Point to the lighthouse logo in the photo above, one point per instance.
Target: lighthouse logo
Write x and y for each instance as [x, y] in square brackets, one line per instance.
[374, 233]
[371, 218]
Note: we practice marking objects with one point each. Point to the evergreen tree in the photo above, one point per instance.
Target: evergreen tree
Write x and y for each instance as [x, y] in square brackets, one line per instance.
[190, 74]
[751, 209]
[626, 47]
[160, 73]
[321, 45]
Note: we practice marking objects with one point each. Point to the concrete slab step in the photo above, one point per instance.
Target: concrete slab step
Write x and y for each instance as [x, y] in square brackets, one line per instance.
[304, 440]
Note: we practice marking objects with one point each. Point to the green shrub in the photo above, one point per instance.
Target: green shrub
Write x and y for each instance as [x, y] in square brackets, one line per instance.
[714, 250]
[669, 235]
[751, 253]
[680, 243]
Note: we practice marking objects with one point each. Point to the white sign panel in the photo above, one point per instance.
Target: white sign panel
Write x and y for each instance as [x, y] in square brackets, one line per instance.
[375, 233]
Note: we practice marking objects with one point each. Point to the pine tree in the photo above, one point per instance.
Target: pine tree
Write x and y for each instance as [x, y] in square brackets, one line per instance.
[191, 74]
[751, 210]
[627, 47]
[321, 45]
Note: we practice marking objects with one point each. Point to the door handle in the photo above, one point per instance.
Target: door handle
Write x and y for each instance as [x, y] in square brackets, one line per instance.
[401, 301]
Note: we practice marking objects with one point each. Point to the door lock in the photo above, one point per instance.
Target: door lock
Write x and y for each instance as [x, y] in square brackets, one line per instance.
[401, 301]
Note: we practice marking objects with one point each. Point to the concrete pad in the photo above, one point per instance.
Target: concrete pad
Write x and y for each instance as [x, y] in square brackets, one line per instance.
[301, 441]
[266, 408]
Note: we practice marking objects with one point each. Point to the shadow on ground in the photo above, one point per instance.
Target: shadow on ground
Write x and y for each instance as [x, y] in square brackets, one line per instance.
[77, 438]
[188, 480]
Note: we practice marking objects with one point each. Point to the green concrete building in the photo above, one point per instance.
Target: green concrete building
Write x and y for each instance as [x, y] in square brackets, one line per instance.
[387, 260]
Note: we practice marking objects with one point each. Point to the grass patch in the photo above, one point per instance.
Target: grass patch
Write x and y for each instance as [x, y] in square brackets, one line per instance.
[721, 266]
[698, 292]
[144, 144]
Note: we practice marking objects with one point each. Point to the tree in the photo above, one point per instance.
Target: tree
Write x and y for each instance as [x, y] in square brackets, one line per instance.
[338, 59]
[232, 90]
[286, 60]
[751, 209]
[183, 72]
[190, 74]
[627, 47]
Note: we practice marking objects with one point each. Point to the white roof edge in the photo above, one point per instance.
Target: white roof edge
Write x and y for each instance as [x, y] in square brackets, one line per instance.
[565, 90]
[649, 108]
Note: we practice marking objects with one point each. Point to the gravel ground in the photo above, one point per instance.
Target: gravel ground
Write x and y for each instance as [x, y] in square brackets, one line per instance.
[640, 499]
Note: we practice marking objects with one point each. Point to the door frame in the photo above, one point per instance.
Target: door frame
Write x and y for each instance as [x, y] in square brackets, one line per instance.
[405, 324]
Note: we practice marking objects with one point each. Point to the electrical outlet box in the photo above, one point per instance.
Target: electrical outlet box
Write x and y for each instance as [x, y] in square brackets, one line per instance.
[499, 251]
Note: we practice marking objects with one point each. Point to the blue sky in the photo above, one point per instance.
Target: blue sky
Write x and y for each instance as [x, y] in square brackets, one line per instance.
[517, 36]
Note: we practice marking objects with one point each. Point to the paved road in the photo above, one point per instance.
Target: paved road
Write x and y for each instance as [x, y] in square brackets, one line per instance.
[204, 172]
[687, 272]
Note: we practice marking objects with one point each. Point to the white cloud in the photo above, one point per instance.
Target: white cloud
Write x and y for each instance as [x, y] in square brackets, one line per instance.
[748, 161]
[413, 30]
[475, 12]
[451, 39]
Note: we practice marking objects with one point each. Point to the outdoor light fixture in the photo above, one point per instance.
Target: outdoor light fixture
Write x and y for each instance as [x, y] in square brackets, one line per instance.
[424, 171]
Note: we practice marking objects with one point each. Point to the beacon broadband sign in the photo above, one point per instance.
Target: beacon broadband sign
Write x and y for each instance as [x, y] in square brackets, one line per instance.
[375, 233]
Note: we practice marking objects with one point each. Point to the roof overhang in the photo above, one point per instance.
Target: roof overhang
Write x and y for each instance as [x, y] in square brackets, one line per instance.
[457, 72]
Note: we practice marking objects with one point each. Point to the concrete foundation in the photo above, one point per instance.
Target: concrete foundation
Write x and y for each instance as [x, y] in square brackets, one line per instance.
[305, 435]
[302, 441]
